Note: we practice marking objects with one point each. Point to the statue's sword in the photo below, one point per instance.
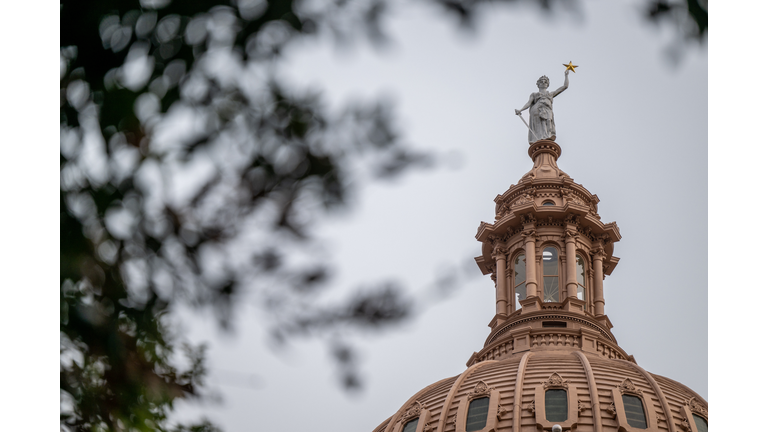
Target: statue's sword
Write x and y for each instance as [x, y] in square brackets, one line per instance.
[529, 128]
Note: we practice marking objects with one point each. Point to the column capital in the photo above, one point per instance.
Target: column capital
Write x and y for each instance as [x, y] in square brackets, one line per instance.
[598, 253]
[530, 235]
[499, 252]
[570, 235]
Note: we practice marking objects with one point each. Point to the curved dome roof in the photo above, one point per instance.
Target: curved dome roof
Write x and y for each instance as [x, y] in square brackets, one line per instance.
[591, 379]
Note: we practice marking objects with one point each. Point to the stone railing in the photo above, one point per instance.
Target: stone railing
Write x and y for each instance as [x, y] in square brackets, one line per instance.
[608, 351]
[555, 340]
[496, 352]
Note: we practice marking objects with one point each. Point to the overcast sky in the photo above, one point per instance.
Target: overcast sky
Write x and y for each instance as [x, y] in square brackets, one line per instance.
[633, 130]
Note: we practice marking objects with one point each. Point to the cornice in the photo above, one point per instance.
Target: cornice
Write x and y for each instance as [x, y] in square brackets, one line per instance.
[518, 320]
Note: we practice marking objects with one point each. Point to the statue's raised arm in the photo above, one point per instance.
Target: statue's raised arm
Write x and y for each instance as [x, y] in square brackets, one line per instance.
[565, 86]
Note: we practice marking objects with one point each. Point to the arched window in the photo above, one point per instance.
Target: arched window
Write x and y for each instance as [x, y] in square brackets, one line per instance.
[548, 203]
[518, 284]
[551, 281]
[556, 405]
[701, 423]
[581, 290]
[411, 425]
[477, 414]
[633, 408]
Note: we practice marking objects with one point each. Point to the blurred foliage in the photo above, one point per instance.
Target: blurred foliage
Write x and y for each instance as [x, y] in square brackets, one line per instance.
[192, 173]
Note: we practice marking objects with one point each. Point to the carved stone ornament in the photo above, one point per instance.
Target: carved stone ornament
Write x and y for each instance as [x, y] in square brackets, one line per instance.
[529, 218]
[581, 406]
[413, 411]
[685, 425]
[455, 420]
[531, 407]
[658, 418]
[629, 387]
[500, 412]
[499, 252]
[481, 389]
[696, 407]
[566, 194]
[555, 381]
[611, 409]
[428, 427]
[572, 218]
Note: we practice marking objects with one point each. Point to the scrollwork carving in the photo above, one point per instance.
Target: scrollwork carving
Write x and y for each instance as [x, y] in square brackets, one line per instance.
[611, 408]
[697, 407]
[531, 407]
[581, 406]
[627, 386]
[413, 411]
[530, 234]
[555, 381]
[570, 235]
[685, 425]
[500, 412]
[480, 390]
[499, 252]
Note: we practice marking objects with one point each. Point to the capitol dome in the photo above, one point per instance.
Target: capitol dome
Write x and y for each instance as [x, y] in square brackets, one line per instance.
[550, 359]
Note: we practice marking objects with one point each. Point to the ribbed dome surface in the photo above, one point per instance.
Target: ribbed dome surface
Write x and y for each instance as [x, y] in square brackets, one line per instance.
[592, 378]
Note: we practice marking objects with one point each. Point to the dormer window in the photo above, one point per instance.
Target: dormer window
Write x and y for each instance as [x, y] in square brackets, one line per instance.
[556, 405]
[551, 273]
[633, 408]
[411, 425]
[701, 423]
[477, 414]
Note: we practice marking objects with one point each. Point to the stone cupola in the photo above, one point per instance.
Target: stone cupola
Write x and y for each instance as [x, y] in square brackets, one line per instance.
[548, 253]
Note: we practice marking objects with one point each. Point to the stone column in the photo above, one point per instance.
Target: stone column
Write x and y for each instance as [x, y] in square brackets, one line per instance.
[510, 288]
[501, 280]
[531, 285]
[597, 265]
[570, 263]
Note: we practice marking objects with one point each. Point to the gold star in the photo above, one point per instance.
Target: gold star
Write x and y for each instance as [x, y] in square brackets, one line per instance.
[570, 66]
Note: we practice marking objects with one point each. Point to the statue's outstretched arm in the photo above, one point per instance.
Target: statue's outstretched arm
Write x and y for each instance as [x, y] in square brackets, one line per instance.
[526, 106]
[565, 86]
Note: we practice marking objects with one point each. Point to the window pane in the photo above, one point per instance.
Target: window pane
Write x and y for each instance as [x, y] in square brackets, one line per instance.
[580, 270]
[550, 261]
[701, 424]
[520, 294]
[411, 425]
[477, 414]
[519, 269]
[556, 405]
[633, 407]
[580, 292]
[551, 289]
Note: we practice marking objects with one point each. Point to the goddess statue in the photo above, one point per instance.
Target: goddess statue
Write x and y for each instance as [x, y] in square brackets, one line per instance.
[541, 117]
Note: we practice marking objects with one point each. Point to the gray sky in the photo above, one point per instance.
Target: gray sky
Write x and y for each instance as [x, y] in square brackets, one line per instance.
[633, 131]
